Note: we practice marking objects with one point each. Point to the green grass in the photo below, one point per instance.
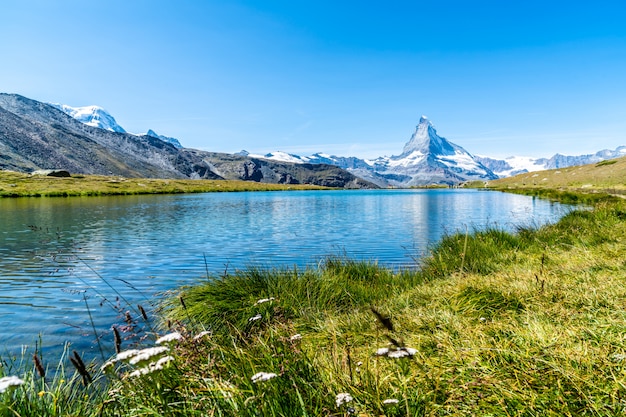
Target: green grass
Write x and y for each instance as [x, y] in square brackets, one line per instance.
[14, 184]
[605, 177]
[503, 324]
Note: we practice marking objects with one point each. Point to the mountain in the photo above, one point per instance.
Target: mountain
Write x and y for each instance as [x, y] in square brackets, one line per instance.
[35, 135]
[426, 159]
[96, 116]
[91, 116]
[172, 141]
[514, 165]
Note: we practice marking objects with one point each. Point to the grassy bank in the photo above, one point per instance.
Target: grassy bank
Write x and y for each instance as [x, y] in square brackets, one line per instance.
[605, 177]
[15, 184]
[491, 323]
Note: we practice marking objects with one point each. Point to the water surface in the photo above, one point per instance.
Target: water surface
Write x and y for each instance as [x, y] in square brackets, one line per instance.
[59, 257]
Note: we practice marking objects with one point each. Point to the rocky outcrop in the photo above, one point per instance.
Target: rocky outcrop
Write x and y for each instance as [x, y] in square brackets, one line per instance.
[59, 173]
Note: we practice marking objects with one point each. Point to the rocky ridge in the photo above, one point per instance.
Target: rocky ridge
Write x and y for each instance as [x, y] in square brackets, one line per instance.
[36, 135]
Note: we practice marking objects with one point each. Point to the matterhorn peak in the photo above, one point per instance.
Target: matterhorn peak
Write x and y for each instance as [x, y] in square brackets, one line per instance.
[426, 141]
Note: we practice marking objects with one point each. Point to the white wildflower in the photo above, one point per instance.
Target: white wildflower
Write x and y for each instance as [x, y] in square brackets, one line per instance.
[107, 365]
[404, 352]
[401, 352]
[396, 354]
[255, 318]
[263, 376]
[390, 401]
[264, 300]
[9, 381]
[139, 372]
[382, 352]
[343, 398]
[127, 354]
[151, 367]
[148, 353]
[169, 338]
[201, 335]
[295, 337]
[162, 362]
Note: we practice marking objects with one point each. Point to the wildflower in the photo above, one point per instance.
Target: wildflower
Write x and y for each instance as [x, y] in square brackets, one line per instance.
[263, 376]
[343, 398]
[382, 352]
[169, 338]
[158, 365]
[201, 335]
[295, 337]
[107, 365]
[41, 393]
[255, 318]
[139, 372]
[145, 354]
[390, 401]
[9, 381]
[127, 354]
[264, 300]
[401, 352]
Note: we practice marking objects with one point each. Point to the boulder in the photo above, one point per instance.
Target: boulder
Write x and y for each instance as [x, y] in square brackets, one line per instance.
[51, 173]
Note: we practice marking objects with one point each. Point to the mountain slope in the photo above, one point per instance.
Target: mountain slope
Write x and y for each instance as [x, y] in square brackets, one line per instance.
[171, 141]
[34, 135]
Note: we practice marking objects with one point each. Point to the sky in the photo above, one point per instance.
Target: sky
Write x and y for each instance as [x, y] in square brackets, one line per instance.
[349, 78]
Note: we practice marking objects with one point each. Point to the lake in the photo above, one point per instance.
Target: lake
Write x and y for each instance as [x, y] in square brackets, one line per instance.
[64, 260]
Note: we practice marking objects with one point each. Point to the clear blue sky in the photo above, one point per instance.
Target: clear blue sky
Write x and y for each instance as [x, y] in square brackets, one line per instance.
[344, 77]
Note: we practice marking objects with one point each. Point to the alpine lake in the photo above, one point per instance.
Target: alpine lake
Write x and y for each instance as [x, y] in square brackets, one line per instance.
[71, 268]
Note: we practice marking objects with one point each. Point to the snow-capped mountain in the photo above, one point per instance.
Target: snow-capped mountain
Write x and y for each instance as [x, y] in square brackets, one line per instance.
[426, 159]
[94, 116]
[514, 165]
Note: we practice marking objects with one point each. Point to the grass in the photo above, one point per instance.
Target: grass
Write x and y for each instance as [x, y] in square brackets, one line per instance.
[491, 323]
[14, 184]
[526, 324]
[605, 177]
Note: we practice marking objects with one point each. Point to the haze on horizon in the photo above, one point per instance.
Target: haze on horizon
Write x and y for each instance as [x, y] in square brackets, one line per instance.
[346, 78]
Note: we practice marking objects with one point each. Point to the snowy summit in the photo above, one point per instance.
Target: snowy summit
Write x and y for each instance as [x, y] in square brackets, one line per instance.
[94, 116]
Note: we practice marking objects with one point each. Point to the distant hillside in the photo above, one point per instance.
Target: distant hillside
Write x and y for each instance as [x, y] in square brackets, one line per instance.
[35, 135]
[608, 175]
[514, 165]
